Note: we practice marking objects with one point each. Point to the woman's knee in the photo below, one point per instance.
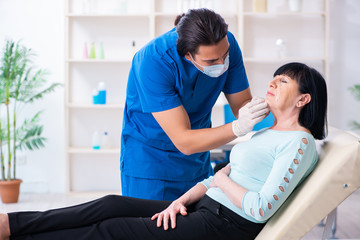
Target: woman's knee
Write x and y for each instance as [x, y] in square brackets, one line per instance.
[110, 199]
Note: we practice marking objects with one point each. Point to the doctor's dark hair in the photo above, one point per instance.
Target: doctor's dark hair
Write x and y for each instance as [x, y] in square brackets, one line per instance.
[312, 115]
[199, 27]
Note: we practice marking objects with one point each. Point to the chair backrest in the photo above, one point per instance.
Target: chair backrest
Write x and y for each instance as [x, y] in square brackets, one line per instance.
[336, 176]
[266, 122]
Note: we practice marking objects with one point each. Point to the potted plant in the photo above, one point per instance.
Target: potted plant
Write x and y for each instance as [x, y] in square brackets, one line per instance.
[356, 92]
[20, 85]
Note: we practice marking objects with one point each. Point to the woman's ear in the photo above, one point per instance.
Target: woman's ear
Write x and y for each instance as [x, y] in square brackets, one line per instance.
[303, 100]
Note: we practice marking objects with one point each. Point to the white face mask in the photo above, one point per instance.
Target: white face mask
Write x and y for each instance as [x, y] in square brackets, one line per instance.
[214, 70]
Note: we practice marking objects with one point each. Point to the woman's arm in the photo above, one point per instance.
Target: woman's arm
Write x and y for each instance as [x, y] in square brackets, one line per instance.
[291, 165]
[232, 190]
[293, 162]
[179, 206]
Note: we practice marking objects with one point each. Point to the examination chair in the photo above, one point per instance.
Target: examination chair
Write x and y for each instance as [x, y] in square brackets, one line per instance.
[336, 176]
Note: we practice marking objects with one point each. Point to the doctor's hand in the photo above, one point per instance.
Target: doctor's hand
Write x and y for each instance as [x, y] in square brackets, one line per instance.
[176, 207]
[220, 175]
[249, 115]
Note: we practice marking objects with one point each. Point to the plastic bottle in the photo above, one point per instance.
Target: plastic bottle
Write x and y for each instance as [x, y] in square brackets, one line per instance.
[295, 5]
[102, 93]
[280, 45]
[122, 6]
[101, 51]
[133, 48]
[105, 142]
[92, 51]
[95, 95]
[85, 53]
[96, 140]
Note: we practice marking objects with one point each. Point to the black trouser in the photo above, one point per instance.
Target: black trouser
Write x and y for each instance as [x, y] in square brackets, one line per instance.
[118, 217]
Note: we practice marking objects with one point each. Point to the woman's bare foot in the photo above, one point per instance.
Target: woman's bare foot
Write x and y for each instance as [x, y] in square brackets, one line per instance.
[4, 226]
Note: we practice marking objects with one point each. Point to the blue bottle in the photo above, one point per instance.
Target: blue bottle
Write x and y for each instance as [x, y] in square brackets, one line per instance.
[95, 95]
[101, 93]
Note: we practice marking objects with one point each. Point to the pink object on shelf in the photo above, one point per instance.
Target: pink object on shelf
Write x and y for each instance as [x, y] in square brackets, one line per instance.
[85, 54]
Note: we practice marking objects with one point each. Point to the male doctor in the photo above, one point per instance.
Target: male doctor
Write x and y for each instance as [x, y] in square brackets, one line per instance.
[173, 84]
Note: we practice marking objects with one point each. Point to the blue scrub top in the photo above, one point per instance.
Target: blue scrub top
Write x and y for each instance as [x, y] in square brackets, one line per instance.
[160, 79]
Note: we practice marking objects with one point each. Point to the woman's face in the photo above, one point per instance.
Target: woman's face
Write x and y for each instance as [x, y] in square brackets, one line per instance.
[283, 93]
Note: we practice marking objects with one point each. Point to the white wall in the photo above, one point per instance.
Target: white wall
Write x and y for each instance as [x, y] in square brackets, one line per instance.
[40, 23]
[344, 62]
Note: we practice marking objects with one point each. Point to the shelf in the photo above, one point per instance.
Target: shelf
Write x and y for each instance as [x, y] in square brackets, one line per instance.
[95, 106]
[174, 14]
[284, 14]
[89, 150]
[98, 60]
[125, 15]
[162, 14]
[255, 32]
[285, 59]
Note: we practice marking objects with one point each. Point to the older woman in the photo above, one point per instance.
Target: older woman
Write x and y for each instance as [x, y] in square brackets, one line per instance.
[233, 204]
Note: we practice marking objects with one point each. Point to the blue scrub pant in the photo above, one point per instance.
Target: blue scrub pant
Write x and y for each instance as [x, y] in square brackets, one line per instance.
[155, 189]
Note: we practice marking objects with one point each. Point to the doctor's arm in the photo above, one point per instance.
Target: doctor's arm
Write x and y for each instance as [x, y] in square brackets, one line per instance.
[176, 124]
[238, 100]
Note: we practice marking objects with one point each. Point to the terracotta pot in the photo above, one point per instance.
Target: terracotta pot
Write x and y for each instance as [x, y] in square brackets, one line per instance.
[9, 191]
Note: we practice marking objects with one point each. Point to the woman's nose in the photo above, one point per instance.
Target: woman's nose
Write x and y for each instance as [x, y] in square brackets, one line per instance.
[272, 84]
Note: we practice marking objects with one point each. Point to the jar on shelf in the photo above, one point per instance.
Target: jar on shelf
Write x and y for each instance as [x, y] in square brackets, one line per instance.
[259, 5]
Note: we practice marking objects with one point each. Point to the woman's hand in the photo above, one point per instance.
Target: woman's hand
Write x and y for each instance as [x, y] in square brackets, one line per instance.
[219, 176]
[175, 208]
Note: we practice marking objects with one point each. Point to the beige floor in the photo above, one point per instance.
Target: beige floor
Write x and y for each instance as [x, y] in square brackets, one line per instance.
[348, 221]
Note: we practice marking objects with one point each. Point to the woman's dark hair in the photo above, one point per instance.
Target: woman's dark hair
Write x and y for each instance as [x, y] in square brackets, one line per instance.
[312, 115]
[199, 27]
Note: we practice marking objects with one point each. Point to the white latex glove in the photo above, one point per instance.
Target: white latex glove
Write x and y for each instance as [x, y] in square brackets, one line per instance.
[249, 115]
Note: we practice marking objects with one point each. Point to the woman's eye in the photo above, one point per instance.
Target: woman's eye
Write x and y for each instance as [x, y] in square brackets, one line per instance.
[283, 81]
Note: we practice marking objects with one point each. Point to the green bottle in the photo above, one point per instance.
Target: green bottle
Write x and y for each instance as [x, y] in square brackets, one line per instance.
[101, 51]
[92, 51]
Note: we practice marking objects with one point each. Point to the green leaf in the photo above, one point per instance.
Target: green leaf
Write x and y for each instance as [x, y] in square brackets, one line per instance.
[41, 94]
[355, 125]
[32, 139]
[355, 90]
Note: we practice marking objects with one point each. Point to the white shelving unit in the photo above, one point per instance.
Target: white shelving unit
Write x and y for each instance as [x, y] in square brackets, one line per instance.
[117, 23]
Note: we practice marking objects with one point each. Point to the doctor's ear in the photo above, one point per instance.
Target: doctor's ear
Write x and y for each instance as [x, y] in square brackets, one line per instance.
[303, 100]
[188, 56]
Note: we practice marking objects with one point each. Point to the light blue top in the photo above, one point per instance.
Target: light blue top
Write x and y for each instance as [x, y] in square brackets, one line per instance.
[160, 79]
[270, 165]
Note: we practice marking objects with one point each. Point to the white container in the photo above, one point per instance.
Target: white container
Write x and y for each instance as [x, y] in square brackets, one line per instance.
[280, 47]
[96, 140]
[295, 5]
[105, 141]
